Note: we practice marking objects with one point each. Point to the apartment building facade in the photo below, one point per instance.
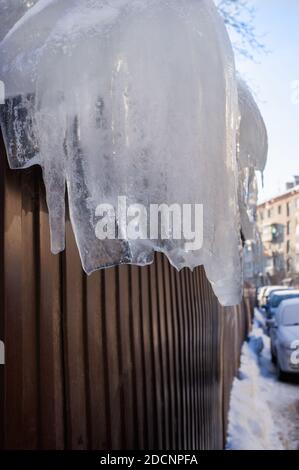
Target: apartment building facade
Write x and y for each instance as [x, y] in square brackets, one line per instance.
[278, 224]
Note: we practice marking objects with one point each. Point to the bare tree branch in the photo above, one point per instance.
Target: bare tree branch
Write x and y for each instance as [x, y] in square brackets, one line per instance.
[239, 16]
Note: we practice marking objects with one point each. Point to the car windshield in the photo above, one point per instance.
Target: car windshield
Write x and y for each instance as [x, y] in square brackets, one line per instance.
[290, 316]
[276, 299]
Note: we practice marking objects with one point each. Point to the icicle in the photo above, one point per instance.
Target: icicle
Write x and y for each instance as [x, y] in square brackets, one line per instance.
[134, 98]
[252, 156]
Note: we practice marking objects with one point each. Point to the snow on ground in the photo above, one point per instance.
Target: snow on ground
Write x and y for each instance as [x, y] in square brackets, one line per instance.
[264, 413]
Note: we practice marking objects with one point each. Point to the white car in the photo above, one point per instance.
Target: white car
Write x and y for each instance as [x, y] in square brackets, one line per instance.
[278, 296]
[284, 334]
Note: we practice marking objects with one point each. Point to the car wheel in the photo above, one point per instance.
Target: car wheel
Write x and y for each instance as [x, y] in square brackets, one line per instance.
[273, 357]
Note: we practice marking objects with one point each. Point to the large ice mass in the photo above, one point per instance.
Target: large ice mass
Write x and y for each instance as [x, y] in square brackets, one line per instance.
[135, 98]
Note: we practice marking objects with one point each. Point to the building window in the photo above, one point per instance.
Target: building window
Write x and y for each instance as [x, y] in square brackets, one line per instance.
[269, 213]
[288, 209]
[279, 210]
[288, 246]
[262, 215]
[288, 228]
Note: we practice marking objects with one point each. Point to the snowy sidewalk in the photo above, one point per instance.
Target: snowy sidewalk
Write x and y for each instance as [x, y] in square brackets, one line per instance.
[264, 413]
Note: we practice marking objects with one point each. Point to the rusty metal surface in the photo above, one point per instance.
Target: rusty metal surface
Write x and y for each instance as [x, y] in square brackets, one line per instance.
[127, 358]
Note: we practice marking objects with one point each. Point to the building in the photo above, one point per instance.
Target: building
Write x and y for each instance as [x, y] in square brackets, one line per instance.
[253, 263]
[278, 224]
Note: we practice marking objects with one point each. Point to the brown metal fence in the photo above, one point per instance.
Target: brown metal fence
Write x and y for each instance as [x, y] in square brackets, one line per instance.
[127, 358]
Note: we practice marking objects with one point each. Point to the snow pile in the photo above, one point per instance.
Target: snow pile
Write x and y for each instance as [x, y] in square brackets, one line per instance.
[134, 98]
[251, 426]
[264, 413]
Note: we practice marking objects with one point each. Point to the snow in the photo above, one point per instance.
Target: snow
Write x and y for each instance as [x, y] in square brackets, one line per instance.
[287, 312]
[130, 98]
[264, 413]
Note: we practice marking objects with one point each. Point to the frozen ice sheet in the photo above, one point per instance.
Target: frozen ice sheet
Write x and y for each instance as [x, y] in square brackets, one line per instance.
[129, 98]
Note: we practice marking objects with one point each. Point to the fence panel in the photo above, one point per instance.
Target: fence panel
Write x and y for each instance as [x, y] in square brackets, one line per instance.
[126, 358]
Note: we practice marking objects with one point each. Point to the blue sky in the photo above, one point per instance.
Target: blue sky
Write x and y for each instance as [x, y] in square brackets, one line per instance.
[272, 79]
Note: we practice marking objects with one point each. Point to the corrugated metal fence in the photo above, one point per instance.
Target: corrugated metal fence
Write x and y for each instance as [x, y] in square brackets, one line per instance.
[126, 358]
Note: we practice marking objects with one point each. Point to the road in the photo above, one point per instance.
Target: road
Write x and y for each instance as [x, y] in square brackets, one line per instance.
[282, 399]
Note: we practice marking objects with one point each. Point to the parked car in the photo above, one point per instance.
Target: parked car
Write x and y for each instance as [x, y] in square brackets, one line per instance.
[276, 297]
[284, 334]
[268, 291]
[273, 292]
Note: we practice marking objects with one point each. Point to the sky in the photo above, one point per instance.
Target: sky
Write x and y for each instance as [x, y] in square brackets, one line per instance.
[274, 79]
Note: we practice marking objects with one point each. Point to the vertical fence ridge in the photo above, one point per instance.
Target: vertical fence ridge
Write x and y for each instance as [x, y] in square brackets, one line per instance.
[125, 358]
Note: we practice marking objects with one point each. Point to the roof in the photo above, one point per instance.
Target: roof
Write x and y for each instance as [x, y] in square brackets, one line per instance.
[272, 288]
[285, 195]
[292, 303]
[286, 292]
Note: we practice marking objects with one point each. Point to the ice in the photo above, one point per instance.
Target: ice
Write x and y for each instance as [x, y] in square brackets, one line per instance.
[11, 11]
[134, 98]
[252, 157]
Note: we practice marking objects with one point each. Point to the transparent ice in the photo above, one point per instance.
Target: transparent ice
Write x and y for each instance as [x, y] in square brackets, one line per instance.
[252, 157]
[133, 98]
[11, 11]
